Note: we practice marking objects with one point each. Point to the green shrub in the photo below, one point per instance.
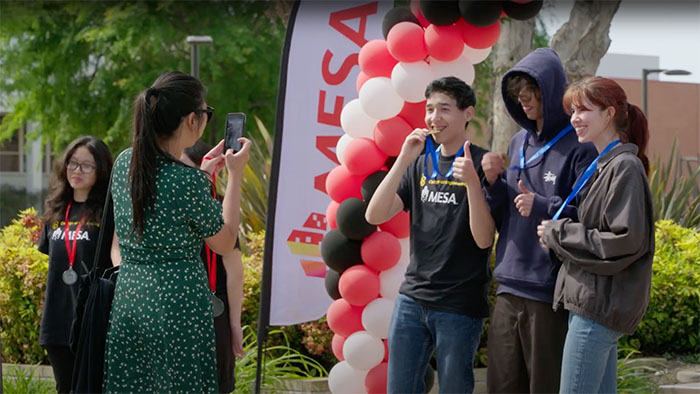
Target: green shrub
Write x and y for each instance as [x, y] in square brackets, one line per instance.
[23, 380]
[22, 285]
[310, 338]
[280, 362]
[671, 323]
[634, 374]
[676, 197]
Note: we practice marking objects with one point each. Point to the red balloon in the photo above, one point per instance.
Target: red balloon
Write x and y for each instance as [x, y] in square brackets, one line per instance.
[381, 250]
[444, 43]
[361, 79]
[414, 114]
[343, 318]
[331, 211]
[399, 225]
[337, 346]
[359, 285]
[375, 381]
[342, 184]
[389, 135]
[415, 9]
[375, 59]
[363, 157]
[405, 42]
[386, 349]
[479, 37]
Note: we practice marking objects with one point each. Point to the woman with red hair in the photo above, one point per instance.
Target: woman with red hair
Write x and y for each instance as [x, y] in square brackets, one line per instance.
[605, 279]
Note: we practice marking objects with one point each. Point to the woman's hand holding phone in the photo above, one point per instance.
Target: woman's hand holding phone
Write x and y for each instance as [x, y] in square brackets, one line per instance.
[236, 162]
[214, 160]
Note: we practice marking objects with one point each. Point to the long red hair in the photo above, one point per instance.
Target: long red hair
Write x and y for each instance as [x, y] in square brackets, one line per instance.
[630, 121]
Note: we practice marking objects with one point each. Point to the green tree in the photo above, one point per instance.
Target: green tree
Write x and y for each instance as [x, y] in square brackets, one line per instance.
[74, 68]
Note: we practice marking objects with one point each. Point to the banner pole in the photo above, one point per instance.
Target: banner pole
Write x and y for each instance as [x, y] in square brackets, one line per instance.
[266, 282]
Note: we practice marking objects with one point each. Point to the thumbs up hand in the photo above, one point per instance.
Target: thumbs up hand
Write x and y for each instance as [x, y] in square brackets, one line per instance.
[524, 200]
[463, 168]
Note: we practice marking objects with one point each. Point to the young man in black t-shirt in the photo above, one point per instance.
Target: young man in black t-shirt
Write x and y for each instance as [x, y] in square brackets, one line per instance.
[443, 300]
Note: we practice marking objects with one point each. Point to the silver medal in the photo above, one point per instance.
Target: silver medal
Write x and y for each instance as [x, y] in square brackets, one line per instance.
[217, 305]
[70, 277]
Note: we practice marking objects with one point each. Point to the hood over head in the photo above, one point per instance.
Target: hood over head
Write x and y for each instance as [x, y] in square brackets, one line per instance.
[544, 66]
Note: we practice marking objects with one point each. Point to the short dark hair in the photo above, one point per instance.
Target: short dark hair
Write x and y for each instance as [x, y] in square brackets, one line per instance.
[197, 151]
[454, 87]
[518, 81]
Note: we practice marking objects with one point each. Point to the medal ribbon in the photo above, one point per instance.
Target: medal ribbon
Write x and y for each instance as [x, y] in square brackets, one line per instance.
[590, 170]
[433, 153]
[211, 255]
[542, 150]
[71, 249]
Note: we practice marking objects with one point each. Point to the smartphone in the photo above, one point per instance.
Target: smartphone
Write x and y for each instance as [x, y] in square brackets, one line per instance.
[235, 123]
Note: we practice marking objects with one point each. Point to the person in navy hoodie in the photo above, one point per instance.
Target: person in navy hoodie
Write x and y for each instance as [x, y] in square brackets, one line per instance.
[526, 337]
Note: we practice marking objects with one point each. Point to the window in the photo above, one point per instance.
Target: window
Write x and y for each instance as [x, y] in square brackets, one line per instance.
[12, 153]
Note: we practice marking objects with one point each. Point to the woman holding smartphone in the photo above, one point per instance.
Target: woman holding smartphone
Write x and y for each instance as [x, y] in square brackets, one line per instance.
[72, 213]
[605, 278]
[225, 276]
[161, 335]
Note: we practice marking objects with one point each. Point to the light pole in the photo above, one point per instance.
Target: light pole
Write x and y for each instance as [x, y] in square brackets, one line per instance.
[195, 42]
[646, 72]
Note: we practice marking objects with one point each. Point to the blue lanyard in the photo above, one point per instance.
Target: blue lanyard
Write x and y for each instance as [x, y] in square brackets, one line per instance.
[433, 153]
[584, 178]
[542, 150]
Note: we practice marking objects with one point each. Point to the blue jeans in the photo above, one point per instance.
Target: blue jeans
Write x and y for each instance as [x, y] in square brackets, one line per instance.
[415, 332]
[589, 364]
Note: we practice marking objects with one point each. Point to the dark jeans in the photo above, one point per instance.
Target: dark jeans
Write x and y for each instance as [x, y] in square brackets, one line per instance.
[525, 346]
[62, 360]
[414, 332]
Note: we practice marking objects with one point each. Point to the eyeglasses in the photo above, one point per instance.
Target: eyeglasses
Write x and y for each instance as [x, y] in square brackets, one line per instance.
[85, 168]
[209, 111]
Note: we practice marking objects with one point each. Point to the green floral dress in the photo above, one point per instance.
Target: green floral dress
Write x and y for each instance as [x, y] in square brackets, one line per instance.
[161, 334]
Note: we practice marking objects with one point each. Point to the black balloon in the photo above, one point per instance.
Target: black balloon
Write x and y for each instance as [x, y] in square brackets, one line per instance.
[480, 13]
[370, 184]
[522, 12]
[351, 219]
[331, 282]
[339, 252]
[440, 12]
[397, 15]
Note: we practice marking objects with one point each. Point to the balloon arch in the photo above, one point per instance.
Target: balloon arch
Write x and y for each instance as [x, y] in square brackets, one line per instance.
[429, 40]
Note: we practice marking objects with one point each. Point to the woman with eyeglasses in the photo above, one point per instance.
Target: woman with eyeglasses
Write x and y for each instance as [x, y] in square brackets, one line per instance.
[72, 213]
[161, 334]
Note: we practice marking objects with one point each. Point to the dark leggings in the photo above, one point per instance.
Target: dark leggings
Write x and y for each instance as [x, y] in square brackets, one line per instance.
[62, 360]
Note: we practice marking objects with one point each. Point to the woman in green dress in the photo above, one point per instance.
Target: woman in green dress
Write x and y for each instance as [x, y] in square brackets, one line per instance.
[161, 336]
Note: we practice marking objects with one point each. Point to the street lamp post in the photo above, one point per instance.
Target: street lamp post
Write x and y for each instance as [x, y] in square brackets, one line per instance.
[646, 72]
[195, 42]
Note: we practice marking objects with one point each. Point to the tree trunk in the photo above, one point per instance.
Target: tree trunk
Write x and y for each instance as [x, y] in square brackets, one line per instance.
[514, 44]
[583, 40]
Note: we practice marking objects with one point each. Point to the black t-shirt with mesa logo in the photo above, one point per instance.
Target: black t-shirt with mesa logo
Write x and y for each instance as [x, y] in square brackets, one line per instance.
[447, 270]
[60, 298]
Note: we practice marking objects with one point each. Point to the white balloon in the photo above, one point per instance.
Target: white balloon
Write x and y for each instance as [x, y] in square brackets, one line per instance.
[475, 56]
[410, 79]
[379, 99]
[376, 317]
[460, 68]
[344, 379]
[405, 250]
[363, 351]
[391, 279]
[355, 122]
[343, 142]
